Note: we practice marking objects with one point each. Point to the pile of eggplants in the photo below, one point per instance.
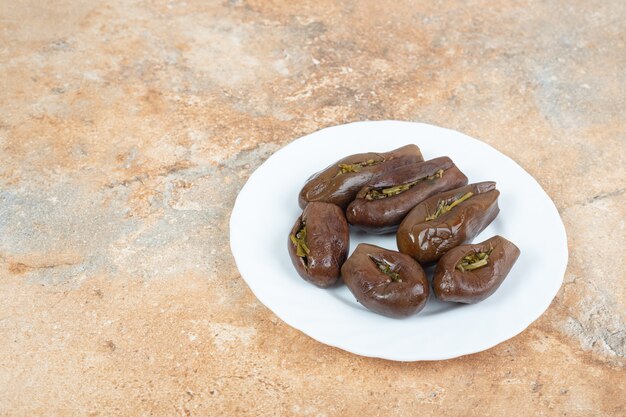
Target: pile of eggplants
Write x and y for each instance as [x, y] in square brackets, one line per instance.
[434, 213]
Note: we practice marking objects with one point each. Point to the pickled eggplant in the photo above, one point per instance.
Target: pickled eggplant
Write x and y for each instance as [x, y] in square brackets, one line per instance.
[340, 182]
[471, 273]
[381, 205]
[319, 242]
[447, 220]
[384, 281]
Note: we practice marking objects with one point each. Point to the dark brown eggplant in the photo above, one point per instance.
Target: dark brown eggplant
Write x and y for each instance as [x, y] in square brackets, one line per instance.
[381, 205]
[471, 273]
[386, 282]
[319, 242]
[446, 220]
[339, 183]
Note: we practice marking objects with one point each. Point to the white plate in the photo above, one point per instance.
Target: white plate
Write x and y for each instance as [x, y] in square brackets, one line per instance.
[267, 207]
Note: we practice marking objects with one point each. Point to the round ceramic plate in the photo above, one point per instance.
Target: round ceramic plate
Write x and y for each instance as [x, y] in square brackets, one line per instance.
[267, 207]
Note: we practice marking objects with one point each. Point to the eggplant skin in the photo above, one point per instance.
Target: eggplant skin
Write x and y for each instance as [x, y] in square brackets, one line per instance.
[328, 239]
[377, 291]
[329, 187]
[385, 215]
[428, 240]
[450, 284]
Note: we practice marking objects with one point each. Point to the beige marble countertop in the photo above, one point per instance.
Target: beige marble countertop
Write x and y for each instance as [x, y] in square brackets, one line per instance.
[127, 129]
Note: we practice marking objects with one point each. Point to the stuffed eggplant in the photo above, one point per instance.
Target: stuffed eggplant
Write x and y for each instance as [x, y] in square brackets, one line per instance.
[386, 282]
[381, 205]
[446, 220]
[318, 243]
[471, 273]
[340, 182]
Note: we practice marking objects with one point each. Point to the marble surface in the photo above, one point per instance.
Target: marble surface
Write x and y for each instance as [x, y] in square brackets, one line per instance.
[128, 127]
